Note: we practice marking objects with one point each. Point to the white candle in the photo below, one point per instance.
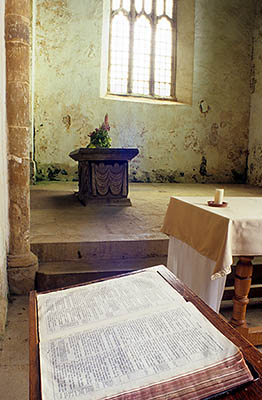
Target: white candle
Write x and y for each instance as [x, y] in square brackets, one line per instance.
[219, 195]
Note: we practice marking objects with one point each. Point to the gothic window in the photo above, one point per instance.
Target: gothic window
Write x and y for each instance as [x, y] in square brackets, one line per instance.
[142, 48]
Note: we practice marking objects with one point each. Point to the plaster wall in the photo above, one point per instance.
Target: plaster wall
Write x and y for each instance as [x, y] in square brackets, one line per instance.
[205, 140]
[255, 137]
[3, 179]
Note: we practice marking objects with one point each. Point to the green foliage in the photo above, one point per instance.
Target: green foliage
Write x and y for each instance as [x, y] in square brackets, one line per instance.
[100, 136]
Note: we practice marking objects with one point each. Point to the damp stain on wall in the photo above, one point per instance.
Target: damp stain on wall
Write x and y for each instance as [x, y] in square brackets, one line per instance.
[67, 121]
[213, 135]
[239, 177]
[255, 137]
[192, 141]
[203, 167]
[165, 176]
[59, 7]
[172, 139]
[55, 173]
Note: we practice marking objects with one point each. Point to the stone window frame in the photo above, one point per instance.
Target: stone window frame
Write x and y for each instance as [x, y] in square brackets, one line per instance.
[185, 12]
[132, 16]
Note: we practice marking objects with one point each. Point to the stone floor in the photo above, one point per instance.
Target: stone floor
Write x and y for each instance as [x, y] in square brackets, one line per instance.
[14, 361]
[57, 215]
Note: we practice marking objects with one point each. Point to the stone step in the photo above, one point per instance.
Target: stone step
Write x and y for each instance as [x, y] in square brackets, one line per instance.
[94, 251]
[52, 275]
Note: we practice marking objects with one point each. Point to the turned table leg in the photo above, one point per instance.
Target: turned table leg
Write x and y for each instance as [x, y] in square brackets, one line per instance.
[243, 277]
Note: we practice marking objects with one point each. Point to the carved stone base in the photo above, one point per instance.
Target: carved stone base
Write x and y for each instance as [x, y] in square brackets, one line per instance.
[103, 175]
[21, 272]
[110, 201]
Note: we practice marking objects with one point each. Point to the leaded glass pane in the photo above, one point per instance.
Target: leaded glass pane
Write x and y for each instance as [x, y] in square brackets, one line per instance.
[141, 56]
[159, 7]
[126, 5]
[119, 54]
[148, 6]
[163, 58]
[138, 5]
[115, 4]
[147, 70]
[169, 8]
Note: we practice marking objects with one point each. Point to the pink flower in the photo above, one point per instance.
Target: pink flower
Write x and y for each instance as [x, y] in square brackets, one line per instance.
[106, 123]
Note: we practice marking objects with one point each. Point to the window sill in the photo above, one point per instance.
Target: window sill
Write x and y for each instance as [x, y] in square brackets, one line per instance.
[142, 100]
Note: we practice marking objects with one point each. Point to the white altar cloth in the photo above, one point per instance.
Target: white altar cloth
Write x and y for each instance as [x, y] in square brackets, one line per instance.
[204, 239]
[195, 271]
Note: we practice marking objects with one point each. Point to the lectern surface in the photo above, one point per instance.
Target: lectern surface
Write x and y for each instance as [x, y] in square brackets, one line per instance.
[73, 325]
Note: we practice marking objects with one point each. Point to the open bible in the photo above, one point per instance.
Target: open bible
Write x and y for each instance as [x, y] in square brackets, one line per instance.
[132, 337]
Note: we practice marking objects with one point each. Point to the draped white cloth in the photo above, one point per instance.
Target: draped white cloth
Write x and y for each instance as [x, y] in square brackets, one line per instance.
[204, 239]
[195, 271]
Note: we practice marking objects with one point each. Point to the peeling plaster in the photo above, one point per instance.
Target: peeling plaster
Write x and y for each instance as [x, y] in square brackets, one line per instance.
[67, 121]
[204, 107]
[15, 158]
[213, 135]
[172, 139]
[192, 142]
[255, 134]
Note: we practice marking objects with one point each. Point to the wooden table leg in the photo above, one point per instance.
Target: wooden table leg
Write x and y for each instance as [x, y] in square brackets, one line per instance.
[243, 278]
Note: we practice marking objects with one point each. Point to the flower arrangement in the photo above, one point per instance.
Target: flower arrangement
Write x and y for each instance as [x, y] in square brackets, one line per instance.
[100, 136]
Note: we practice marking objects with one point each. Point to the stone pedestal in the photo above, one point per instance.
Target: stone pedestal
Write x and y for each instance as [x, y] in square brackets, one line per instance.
[103, 174]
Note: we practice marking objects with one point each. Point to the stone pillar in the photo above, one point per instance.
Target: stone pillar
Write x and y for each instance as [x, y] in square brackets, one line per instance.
[22, 263]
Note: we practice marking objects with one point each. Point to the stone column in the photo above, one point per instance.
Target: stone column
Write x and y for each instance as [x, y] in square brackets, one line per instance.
[22, 263]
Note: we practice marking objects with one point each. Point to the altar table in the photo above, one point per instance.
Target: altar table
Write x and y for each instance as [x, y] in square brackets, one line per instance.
[203, 241]
[103, 174]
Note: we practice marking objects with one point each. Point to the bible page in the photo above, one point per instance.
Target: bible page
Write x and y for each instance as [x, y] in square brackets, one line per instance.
[87, 306]
[139, 332]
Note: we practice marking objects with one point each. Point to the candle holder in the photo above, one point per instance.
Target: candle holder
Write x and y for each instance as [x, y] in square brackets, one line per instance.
[211, 203]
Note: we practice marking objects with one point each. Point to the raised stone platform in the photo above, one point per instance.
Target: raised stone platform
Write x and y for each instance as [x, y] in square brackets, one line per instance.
[75, 244]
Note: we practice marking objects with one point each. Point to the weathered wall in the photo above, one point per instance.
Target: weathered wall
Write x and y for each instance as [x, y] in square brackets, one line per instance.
[255, 136]
[3, 179]
[205, 141]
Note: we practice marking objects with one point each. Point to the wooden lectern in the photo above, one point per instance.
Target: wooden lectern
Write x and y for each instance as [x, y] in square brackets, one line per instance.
[251, 391]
